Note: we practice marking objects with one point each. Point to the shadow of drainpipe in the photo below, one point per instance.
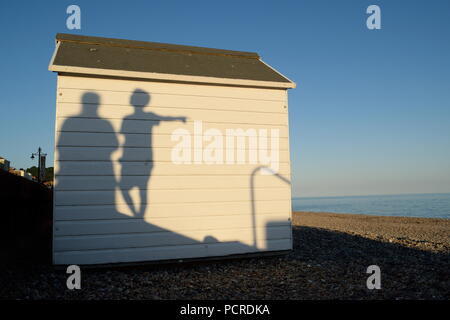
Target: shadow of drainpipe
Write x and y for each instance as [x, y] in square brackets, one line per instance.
[252, 194]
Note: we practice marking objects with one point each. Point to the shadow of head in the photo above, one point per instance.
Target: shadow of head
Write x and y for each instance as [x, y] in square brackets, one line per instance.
[92, 100]
[139, 97]
[210, 239]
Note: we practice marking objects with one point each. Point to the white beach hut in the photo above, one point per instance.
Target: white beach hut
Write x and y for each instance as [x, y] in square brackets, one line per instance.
[167, 152]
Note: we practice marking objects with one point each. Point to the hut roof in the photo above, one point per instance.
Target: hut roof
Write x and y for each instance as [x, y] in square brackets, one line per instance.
[152, 60]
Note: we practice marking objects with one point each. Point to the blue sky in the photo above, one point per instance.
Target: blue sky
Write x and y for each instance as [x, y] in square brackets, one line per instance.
[371, 111]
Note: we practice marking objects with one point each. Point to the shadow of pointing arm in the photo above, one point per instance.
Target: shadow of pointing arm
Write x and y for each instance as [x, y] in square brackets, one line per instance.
[168, 118]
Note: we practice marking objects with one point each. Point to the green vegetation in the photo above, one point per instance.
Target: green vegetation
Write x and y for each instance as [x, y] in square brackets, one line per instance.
[48, 172]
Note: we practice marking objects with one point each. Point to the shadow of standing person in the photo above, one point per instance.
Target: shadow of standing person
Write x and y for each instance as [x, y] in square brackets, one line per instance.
[89, 109]
[139, 99]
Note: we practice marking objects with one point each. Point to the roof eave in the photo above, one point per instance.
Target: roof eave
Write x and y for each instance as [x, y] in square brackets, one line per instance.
[169, 77]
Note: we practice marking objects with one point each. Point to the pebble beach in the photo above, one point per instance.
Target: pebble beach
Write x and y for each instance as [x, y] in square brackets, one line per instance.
[329, 261]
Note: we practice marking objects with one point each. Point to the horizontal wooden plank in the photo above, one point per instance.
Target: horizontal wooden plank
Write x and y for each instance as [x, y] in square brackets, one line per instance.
[150, 155]
[167, 114]
[176, 225]
[74, 198]
[136, 240]
[152, 140]
[168, 210]
[165, 100]
[143, 126]
[164, 253]
[167, 182]
[153, 87]
[159, 168]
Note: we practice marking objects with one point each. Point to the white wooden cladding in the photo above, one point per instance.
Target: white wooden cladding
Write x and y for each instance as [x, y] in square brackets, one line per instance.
[172, 210]
[118, 255]
[114, 85]
[183, 101]
[150, 113]
[87, 125]
[157, 239]
[77, 183]
[135, 140]
[129, 154]
[190, 210]
[94, 197]
[97, 168]
[176, 225]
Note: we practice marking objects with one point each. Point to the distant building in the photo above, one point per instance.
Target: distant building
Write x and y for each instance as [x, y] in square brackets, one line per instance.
[21, 173]
[4, 164]
[25, 174]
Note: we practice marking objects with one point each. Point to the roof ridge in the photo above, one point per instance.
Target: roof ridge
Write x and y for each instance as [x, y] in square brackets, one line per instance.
[156, 46]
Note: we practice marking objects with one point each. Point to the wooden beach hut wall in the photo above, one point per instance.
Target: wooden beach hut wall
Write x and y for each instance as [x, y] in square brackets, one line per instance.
[167, 152]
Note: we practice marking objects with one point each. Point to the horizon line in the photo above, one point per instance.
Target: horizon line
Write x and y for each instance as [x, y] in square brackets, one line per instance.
[370, 195]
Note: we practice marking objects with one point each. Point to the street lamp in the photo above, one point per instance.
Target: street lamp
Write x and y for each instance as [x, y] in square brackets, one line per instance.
[39, 154]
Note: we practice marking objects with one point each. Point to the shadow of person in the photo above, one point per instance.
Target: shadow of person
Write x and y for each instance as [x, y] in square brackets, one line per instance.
[139, 99]
[89, 109]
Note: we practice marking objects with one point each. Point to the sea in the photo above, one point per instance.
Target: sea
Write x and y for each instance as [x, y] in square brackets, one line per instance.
[429, 205]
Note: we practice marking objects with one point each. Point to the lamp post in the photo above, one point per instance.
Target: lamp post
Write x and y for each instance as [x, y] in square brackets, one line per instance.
[39, 154]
